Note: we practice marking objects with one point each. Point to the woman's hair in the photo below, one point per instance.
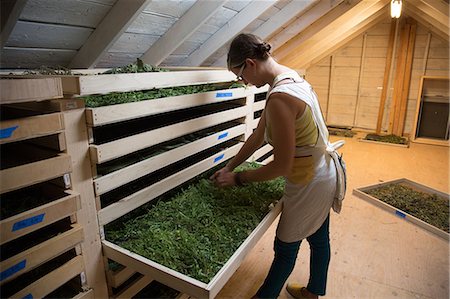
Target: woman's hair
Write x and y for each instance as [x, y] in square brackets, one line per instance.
[244, 46]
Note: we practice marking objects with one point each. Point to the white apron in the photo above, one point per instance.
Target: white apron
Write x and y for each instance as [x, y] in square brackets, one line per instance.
[306, 206]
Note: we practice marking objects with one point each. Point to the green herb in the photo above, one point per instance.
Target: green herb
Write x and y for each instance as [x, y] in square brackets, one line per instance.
[198, 230]
[430, 208]
[138, 67]
[387, 138]
[341, 132]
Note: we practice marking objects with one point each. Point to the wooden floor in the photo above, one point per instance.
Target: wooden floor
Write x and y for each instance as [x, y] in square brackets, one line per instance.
[374, 254]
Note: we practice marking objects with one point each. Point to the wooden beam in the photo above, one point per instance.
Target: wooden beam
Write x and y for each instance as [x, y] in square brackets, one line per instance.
[361, 72]
[425, 54]
[360, 16]
[238, 23]
[387, 73]
[441, 31]
[407, 78]
[10, 13]
[309, 24]
[197, 15]
[277, 21]
[307, 18]
[434, 9]
[119, 18]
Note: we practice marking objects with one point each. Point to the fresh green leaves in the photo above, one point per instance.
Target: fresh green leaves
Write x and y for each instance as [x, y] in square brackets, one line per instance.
[138, 67]
[430, 208]
[198, 230]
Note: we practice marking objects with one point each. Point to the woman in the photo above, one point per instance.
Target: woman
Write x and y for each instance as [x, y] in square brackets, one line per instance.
[292, 123]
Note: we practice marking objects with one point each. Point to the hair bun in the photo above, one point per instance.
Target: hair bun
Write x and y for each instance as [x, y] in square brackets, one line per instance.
[265, 47]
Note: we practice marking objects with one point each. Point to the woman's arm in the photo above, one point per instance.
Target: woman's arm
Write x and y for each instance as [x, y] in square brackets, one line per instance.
[281, 111]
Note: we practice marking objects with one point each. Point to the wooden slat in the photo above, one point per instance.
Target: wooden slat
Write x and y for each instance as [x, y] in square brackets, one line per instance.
[261, 152]
[133, 201]
[33, 173]
[39, 254]
[134, 288]
[26, 90]
[105, 152]
[125, 175]
[10, 13]
[85, 295]
[361, 192]
[120, 277]
[28, 221]
[30, 127]
[53, 280]
[115, 113]
[360, 75]
[260, 105]
[101, 84]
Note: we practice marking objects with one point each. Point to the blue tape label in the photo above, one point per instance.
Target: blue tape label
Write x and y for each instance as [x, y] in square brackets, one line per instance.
[29, 296]
[400, 214]
[12, 270]
[28, 222]
[218, 158]
[224, 94]
[7, 132]
[223, 135]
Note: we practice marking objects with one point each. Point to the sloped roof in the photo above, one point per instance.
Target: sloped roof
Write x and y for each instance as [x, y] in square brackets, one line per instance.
[108, 33]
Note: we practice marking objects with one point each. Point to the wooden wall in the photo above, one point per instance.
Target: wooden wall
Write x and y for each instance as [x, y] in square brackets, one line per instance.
[349, 82]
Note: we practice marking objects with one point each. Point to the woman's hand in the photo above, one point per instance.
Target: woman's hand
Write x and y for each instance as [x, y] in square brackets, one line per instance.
[223, 178]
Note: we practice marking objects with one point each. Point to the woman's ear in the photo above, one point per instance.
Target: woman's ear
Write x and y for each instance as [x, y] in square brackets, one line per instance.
[250, 62]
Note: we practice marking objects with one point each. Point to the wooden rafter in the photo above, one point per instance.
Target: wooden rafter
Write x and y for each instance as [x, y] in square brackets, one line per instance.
[119, 18]
[197, 15]
[280, 19]
[320, 11]
[10, 12]
[359, 18]
[437, 22]
[224, 34]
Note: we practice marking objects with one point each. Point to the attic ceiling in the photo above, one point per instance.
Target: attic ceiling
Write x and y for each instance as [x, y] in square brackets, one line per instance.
[109, 33]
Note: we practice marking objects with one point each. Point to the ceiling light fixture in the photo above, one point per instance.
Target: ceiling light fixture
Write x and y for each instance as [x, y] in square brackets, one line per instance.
[396, 8]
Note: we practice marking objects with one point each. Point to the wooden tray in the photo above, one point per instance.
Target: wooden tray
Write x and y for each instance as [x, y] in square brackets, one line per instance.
[108, 151]
[361, 192]
[102, 84]
[116, 113]
[185, 283]
[125, 175]
[31, 220]
[39, 254]
[27, 90]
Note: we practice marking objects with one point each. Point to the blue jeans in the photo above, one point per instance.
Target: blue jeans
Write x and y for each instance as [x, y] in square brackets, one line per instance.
[284, 262]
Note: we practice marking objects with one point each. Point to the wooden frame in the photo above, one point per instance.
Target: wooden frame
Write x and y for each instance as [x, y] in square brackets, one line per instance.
[125, 175]
[32, 173]
[101, 84]
[135, 200]
[30, 127]
[16, 90]
[39, 254]
[108, 151]
[361, 193]
[31, 220]
[53, 280]
[115, 113]
[417, 116]
[182, 282]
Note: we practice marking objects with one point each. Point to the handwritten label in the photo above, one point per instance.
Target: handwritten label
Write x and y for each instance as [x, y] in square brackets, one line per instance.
[28, 222]
[12, 270]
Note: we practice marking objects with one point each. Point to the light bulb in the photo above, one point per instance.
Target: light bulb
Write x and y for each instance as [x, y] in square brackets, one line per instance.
[396, 8]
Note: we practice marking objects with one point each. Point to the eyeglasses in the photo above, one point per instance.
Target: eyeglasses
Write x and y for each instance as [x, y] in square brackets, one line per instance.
[241, 70]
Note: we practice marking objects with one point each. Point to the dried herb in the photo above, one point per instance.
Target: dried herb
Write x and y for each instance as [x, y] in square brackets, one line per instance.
[138, 67]
[430, 208]
[197, 231]
[387, 138]
[341, 132]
